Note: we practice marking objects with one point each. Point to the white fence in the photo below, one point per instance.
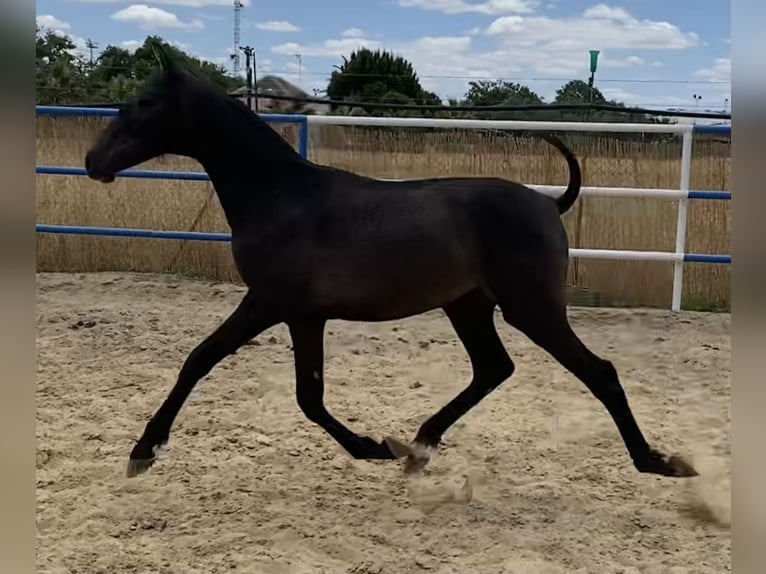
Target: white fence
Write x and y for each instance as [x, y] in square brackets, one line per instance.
[682, 194]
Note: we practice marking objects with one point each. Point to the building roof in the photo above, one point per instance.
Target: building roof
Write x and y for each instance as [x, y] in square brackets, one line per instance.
[274, 85]
[279, 87]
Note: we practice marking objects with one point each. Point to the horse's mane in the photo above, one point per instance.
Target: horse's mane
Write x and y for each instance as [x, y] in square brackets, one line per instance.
[244, 121]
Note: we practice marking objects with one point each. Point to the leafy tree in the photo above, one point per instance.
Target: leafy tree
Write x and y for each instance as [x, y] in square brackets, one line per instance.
[59, 73]
[63, 77]
[377, 76]
[144, 62]
[113, 62]
[578, 92]
[498, 92]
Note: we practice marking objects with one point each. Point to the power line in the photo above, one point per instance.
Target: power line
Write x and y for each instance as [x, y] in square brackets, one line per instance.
[722, 103]
[628, 110]
[327, 75]
[519, 78]
[711, 107]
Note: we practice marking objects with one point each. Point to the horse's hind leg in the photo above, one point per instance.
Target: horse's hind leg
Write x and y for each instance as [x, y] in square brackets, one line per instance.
[308, 341]
[472, 317]
[541, 315]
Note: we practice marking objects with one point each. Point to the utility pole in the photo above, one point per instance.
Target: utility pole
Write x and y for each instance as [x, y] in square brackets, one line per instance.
[300, 67]
[248, 51]
[91, 45]
[696, 103]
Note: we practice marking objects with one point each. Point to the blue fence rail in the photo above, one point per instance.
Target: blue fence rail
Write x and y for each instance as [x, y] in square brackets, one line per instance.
[202, 176]
[63, 111]
[302, 122]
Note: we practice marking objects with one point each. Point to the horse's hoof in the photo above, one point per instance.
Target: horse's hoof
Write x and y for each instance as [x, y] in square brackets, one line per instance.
[681, 467]
[674, 466]
[418, 455]
[142, 459]
[138, 466]
[397, 447]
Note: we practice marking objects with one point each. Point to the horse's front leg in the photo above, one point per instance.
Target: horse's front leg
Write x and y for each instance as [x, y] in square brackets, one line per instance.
[248, 320]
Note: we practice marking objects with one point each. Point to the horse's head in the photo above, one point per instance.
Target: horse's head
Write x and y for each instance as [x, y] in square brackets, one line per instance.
[146, 127]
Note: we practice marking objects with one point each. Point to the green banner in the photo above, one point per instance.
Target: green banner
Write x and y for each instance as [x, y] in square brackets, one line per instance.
[593, 61]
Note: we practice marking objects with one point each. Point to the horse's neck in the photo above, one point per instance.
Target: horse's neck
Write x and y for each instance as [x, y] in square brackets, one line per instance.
[246, 161]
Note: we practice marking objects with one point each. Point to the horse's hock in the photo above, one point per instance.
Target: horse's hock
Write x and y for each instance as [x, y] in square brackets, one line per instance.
[250, 485]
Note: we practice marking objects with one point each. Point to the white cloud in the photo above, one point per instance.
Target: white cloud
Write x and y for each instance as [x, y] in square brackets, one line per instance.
[151, 18]
[62, 28]
[181, 46]
[131, 45]
[640, 100]
[52, 23]
[492, 7]
[720, 71]
[582, 33]
[353, 33]
[628, 62]
[277, 26]
[327, 49]
[518, 46]
[189, 3]
[604, 12]
[443, 63]
[559, 46]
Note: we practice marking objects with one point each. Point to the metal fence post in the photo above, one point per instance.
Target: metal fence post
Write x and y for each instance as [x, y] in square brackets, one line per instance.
[683, 216]
[303, 138]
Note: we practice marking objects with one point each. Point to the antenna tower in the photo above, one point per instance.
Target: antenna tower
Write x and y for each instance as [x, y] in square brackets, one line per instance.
[237, 24]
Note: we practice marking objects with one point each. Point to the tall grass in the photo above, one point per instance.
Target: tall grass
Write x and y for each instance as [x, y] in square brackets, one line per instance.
[593, 222]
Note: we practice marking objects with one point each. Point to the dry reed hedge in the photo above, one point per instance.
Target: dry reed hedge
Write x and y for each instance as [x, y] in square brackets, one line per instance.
[592, 223]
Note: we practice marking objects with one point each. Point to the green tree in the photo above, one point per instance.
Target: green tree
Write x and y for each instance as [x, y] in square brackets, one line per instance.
[498, 92]
[377, 76]
[62, 77]
[143, 62]
[578, 92]
[113, 62]
[60, 74]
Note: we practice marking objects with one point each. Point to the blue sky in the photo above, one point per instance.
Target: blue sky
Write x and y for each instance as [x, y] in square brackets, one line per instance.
[653, 53]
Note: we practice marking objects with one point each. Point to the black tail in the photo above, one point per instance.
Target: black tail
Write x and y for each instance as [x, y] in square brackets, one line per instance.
[567, 199]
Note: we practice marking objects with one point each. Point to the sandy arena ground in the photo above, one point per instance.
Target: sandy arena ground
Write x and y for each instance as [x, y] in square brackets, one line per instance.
[249, 485]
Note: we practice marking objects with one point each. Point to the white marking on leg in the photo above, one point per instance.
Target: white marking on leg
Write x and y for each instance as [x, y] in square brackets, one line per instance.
[160, 451]
[422, 452]
[316, 375]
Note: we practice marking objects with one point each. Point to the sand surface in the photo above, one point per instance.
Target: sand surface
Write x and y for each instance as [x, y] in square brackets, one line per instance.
[249, 485]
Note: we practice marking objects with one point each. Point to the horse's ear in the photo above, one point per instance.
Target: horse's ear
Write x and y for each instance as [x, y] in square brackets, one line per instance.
[164, 61]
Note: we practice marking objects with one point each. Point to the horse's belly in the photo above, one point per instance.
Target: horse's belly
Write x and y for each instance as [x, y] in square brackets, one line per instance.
[383, 292]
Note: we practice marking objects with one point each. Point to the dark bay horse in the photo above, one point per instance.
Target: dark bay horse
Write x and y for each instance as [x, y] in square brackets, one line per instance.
[314, 243]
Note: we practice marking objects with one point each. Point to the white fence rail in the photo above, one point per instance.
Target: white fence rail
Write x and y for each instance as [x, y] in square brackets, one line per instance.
[686, 131]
